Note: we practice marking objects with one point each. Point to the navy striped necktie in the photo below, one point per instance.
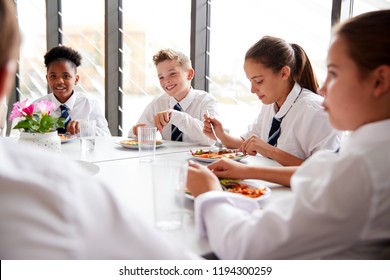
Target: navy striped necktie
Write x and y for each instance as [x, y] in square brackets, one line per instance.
[176, 134]
[274, 132]
[65, 115]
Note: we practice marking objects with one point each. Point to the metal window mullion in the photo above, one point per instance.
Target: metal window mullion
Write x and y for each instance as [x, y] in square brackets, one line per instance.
[53, 23]
[336, 12]
[200, 42]
[113, 64]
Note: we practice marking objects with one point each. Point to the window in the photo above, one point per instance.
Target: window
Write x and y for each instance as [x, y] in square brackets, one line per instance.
[32, 71]
[145, 31]
[85, 34]
[235, 27]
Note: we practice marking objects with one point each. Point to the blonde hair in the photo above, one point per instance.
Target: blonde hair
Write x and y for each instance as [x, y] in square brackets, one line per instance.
[169, 54]
[9, 32]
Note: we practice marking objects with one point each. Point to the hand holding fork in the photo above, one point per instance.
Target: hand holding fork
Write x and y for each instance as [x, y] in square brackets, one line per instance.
[218, 143]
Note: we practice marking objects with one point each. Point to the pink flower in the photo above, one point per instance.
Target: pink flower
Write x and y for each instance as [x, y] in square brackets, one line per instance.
[35, 117]
[28, 111]
[45, 106]
[17, 110]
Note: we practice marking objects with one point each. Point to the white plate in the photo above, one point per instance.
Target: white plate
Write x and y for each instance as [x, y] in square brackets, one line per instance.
[236, 158]
[90, 167]
[251, 185]
[134, 146]
[67, 138]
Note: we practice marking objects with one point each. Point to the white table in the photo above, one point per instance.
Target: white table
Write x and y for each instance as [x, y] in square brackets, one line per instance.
[108, 149]
[132, 180]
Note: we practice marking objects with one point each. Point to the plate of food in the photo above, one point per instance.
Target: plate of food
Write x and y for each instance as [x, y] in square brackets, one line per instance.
[67, 137]
[133, 143]
[247, 188]
[211, 155]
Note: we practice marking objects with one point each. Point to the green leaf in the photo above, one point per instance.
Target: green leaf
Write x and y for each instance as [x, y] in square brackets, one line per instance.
[60, 122]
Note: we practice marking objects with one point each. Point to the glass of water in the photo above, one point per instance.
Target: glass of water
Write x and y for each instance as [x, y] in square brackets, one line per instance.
[87, 135]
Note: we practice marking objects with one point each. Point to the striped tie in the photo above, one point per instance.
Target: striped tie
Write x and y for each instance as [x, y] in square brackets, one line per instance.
[176, 134]
[65, 115]
[274, 133]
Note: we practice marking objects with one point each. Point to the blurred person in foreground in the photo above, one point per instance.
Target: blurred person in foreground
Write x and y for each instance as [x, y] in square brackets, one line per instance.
[49, 209]
[339, 207]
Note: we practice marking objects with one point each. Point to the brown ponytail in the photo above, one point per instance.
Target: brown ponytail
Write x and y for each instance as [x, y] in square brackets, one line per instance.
[275, 53]
[303, 73]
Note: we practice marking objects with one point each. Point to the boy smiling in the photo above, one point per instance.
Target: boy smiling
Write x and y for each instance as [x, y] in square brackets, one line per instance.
[182, 107]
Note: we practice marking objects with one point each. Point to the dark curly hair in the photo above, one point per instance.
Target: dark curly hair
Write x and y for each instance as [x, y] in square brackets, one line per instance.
[62, 53]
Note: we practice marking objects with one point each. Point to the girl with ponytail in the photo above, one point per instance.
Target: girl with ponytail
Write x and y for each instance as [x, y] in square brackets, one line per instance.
[292, 124]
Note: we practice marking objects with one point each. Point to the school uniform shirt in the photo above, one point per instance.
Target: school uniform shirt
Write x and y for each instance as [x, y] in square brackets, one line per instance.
[81, 106]
[305, 127]
[51, 209]
[339, 208]
[189, 121]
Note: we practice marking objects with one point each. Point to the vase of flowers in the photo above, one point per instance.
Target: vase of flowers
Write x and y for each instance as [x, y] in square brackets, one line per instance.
[37, 126]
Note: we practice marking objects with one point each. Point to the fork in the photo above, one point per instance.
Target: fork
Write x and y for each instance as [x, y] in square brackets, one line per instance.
[218, 143]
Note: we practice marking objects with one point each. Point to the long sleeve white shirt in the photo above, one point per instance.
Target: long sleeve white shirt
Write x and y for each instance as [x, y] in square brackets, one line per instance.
[339, 208]
[81, 107]
[189, 121]
[305, 127]
[50, 209]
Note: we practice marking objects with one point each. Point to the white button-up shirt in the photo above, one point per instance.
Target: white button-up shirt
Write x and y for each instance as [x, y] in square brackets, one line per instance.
[51, 209]
[305, 127]
[81, 107]
[339, 208]
[189, 121]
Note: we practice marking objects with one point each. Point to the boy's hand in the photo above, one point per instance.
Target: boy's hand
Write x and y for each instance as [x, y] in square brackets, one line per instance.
[161, 119]
[135, 128]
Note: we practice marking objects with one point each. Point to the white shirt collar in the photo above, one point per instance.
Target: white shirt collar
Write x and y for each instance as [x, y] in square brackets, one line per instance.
[291, 98]
[185, 103]
[69, 103]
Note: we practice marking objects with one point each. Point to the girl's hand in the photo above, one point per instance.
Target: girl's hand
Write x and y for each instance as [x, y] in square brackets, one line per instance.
[201, 180]
[255, 145]
[218, 128]
[227, 168]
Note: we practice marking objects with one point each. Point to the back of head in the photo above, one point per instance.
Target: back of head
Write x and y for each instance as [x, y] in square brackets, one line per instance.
[169, 54]
[9, 32]
[62, 53]
[275, 53]
[367, 38]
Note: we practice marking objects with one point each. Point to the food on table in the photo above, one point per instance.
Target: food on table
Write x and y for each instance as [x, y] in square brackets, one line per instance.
[66, 137]
[247, 190]
[132, 142]
[215, 155]
[241, 187]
